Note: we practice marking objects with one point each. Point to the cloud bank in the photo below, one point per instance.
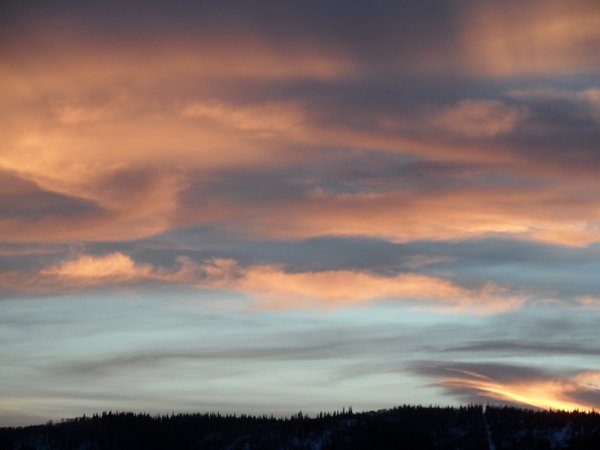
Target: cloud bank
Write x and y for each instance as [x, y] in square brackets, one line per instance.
[297, 163]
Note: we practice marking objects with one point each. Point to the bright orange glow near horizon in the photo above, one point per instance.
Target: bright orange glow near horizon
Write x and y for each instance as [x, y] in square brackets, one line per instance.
[544, 394]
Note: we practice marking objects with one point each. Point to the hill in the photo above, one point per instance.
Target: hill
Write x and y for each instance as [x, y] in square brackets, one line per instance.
[407, 427]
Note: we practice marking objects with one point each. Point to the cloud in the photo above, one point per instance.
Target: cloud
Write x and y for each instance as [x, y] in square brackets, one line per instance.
[276, 289]
[486, 38]
[479, 118]
[269, 285]
[87, 201]
[589, 301]
[433, 201]
[84, 115]
[322, 156]
[544, 271]
[584, 102]
[89, 271]
[533, 271]
[513, 347]
[263, 119]
[513, 38]
[23, 200]
[113, 267]
[517, 384]
[148, 359]
[537, 213]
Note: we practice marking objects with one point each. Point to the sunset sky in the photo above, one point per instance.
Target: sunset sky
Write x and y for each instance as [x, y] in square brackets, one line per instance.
[274, 206]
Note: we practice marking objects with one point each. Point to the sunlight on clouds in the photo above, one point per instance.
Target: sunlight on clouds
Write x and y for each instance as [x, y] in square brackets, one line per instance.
[589, 302]
[264, 119]
[461, 214]
[243, 170]
[116, 267]
[274, 288]
[589, 379]
[269, 285]
[110, 267]
[540, 393]
[117, 201]
[88, 271]
[82, 127]
[79, 120]
[483, 118]
[512, 38]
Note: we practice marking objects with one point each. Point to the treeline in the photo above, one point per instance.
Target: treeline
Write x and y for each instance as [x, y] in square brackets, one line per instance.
[405, 427]
[526, 429]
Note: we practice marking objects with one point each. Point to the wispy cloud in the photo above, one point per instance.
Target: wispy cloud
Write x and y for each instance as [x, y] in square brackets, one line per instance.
[270, 285]
[85, 271]
[482, 118]
[517, 385]
[275, 288]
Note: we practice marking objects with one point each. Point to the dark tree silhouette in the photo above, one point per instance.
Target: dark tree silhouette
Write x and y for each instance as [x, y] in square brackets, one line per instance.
[404, 427]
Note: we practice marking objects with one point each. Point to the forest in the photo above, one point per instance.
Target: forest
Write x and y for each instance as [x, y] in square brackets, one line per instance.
[405, 427]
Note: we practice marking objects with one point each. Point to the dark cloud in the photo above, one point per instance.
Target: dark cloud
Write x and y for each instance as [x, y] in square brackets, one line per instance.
[23, 200]
[338, 172]
[555, 124]
[499, 372]
[586, 396]
[552, 271]
[508, 347]
[26, 257]
[375, 30]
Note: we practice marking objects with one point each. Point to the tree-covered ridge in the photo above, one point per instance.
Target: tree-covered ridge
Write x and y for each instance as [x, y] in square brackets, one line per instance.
[406, 427]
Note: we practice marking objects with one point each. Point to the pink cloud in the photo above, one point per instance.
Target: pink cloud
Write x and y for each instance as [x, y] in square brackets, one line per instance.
[273, 288]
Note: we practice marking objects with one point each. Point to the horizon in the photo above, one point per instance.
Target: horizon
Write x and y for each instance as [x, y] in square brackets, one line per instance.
[277, 206]
[301, 415]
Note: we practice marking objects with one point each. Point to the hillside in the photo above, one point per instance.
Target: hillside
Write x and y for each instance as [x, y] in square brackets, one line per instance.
[406, 427]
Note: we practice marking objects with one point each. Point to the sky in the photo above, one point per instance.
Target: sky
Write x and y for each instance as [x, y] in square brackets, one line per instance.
[274, 206]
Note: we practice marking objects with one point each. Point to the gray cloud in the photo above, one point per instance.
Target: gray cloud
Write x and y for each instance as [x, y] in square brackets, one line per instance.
[374, 30]
[508, 347]
[500, 372]
[23, 200]
[545, 271]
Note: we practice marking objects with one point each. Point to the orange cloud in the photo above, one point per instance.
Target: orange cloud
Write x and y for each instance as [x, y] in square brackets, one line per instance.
[110, 268]
[563, 393]
[274, 288]
[538, 37]
[89, 202]
[269, 285]
[127, 130]
[78, 127]
[264, 119]
[87, 271]
[589, 302]
[540, 214]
